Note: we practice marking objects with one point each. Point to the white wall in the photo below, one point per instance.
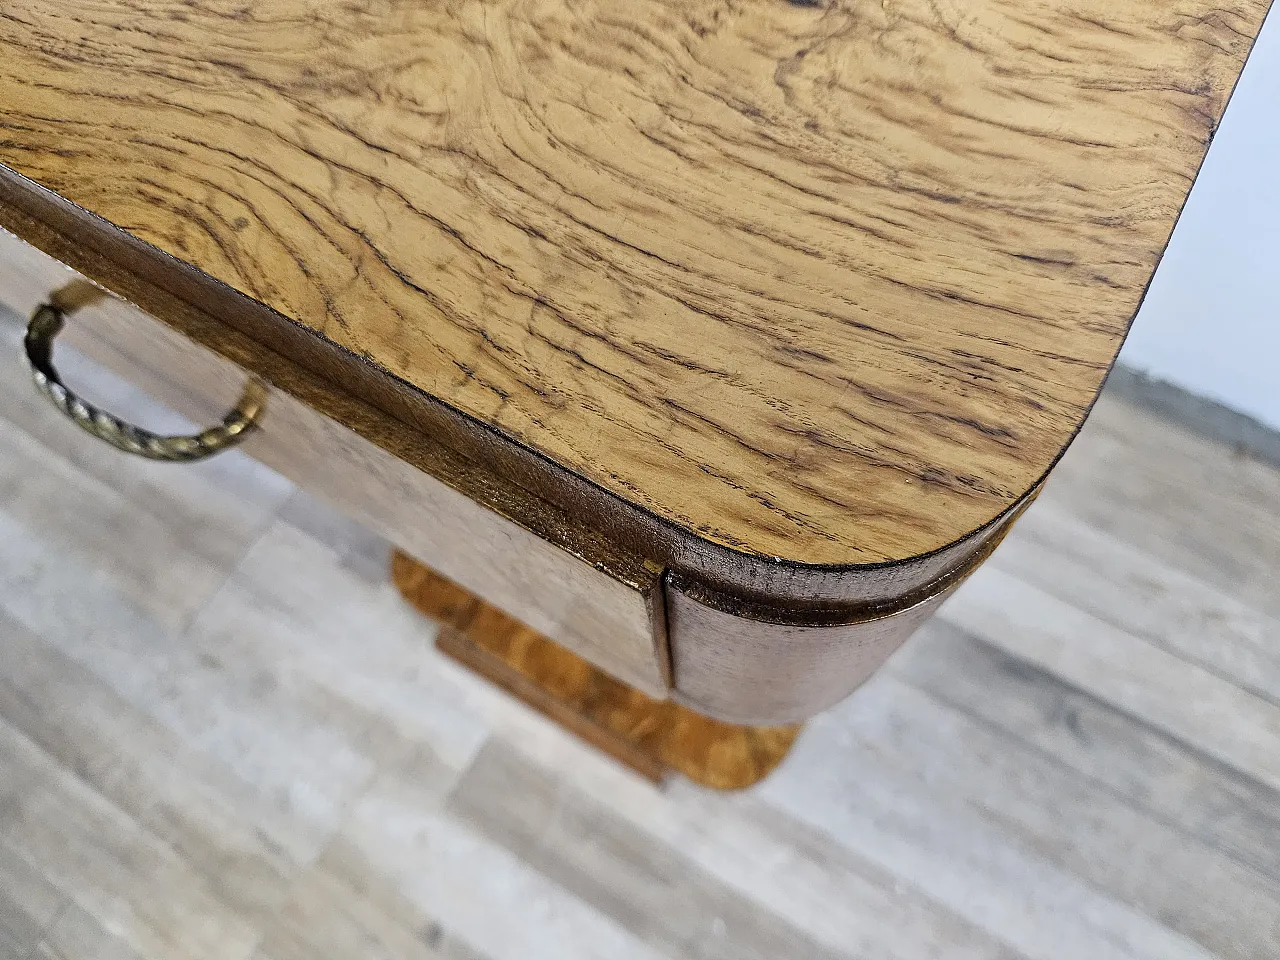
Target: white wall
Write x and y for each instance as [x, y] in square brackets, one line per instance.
[1211, 320]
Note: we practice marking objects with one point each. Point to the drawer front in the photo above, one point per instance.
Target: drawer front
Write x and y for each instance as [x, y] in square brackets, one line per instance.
[602, 604]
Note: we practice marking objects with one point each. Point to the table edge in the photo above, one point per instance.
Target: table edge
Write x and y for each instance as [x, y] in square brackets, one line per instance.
[796, 591]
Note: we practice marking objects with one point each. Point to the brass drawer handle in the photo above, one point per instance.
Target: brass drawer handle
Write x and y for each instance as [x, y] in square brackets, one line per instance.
[45, 325]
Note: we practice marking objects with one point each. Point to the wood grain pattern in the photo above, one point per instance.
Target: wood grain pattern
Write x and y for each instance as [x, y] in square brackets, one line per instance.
[788, 289]
[738, 663]
[652, 737]
[598, 600]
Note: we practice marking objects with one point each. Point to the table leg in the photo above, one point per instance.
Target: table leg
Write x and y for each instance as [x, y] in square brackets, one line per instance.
[652, 737]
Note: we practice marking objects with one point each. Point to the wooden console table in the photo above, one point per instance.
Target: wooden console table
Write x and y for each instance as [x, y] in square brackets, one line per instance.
[714, 341]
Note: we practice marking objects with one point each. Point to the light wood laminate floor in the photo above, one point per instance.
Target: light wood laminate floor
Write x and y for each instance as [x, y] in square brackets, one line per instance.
[223, 735]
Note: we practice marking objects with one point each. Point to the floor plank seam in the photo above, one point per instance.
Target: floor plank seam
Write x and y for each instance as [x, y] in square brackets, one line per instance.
[188, 622]
[1074, 772]
[1272, 699]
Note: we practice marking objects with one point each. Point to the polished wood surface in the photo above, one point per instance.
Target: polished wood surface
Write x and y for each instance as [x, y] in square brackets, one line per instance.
[772, 291]
[598, 600]
[665, 634]
[653, 737]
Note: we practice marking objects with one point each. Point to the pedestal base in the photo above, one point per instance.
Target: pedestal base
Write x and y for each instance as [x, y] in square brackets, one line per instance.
[652, 737]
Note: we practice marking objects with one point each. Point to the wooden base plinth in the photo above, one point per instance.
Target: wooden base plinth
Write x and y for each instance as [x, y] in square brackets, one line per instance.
[652, 737]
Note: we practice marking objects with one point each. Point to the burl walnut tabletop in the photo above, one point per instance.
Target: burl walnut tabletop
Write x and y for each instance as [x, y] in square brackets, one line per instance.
[798, 302]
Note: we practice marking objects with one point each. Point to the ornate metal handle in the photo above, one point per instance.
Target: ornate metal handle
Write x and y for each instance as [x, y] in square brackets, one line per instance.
[45, 325]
